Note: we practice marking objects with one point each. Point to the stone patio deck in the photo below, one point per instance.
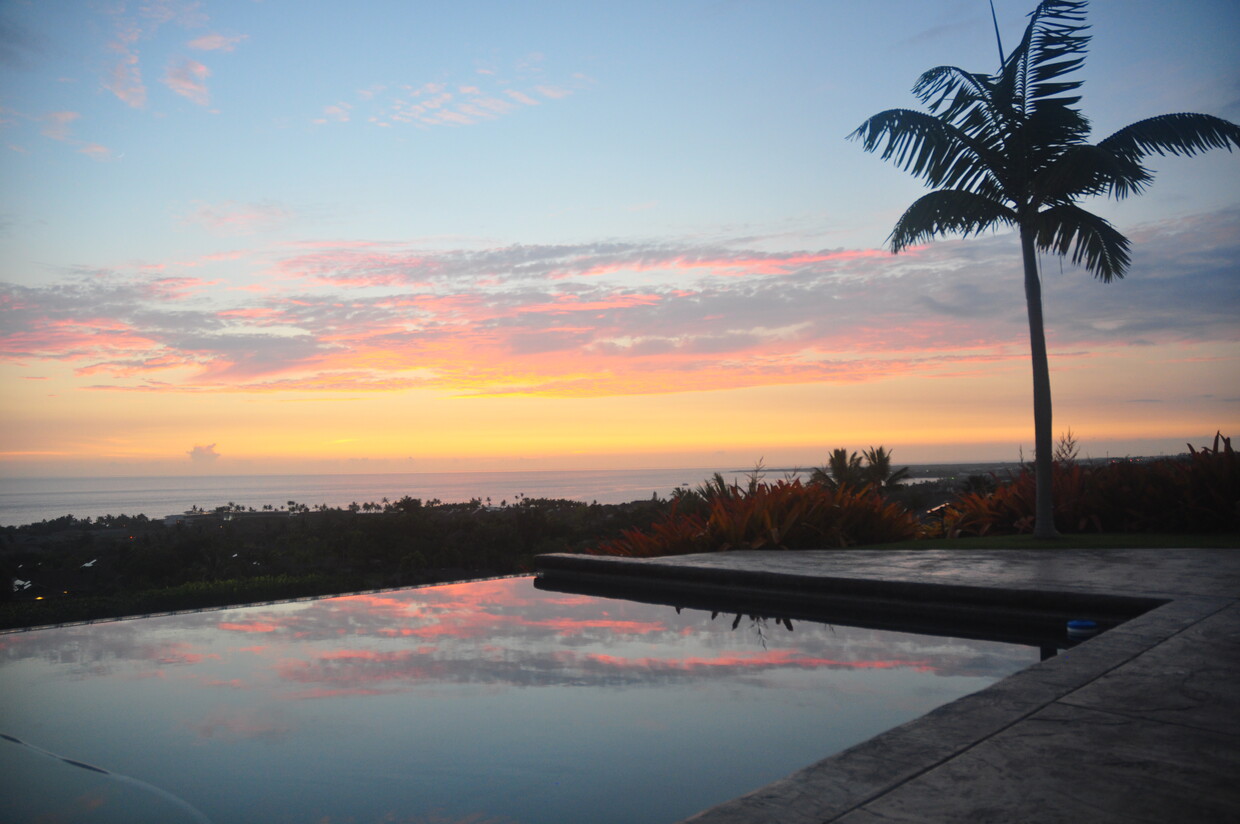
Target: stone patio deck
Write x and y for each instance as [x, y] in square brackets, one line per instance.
[1139, 724]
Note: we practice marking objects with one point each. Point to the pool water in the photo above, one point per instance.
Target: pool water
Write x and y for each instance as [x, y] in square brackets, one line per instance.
[488, 702]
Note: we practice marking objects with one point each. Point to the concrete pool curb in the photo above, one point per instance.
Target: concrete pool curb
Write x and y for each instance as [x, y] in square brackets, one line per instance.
[1141, 723]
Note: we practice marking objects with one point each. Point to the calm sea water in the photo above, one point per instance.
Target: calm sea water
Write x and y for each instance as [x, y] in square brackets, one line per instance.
[30, 500]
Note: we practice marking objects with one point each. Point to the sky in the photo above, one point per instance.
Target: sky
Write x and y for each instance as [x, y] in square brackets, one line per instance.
[268, 237]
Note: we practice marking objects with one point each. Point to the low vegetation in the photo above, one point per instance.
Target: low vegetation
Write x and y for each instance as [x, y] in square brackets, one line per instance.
[1196, 493]
[850, 502]
[70, 569]
[787, 514]
[73, 570]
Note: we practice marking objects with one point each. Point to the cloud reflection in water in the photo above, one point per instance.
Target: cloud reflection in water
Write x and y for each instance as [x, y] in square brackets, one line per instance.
[488, 698]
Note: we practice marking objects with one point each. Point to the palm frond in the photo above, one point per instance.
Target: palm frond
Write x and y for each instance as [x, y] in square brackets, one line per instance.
[1175, 134]
[948, 211]
[1050, 130]
[1053, 45]
[929, 148]
[964, 89]
[1091, 239]
[1086, 170]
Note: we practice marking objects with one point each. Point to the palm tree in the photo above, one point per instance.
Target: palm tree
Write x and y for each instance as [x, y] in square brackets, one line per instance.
[1010, 149]
[846, 469]
[878, 469]
[842, 469]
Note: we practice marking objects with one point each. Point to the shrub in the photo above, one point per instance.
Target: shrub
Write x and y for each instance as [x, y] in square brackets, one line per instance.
[1197, 493]
[784, 515]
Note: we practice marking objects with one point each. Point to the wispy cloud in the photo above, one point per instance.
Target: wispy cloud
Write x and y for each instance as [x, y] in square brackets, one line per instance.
[132, 25]
[124, 78]
[441, 103]
[609, 318]
[96, 151]
[521, 97]
[336, 113]
[234, 218]
[188, 78]
[216, 42]
[57, 127]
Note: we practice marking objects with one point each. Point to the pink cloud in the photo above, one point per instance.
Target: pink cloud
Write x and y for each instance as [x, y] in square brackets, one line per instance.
[177, 652]
[521, 97]
[96, 151]
[477, 343]
[592, 319]
[188, 79]
[249, 626]
[78, 339]
[125, 78]
[572, 303]
[133, 24]
[432, 104]
[235, 218]
[338, 113]
[177, 288]
[57, 127]
[216, 42]
[554, 92]
[458, 117]
[253, 314]
[573, 626]
[493, 105]
[141, 366]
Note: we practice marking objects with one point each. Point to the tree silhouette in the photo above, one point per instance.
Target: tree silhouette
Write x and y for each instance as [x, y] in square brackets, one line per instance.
[878, 469]
[846, 469]
[1010, 149]
[842, 469]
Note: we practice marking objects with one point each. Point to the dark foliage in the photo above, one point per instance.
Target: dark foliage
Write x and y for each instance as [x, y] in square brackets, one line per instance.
[1199, 492]
[782, 515]
[119, 564]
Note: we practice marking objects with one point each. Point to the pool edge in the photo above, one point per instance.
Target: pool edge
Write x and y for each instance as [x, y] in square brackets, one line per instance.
[898, 771]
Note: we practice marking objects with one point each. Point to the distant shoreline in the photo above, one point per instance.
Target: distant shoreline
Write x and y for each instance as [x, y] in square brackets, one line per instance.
[28, 501]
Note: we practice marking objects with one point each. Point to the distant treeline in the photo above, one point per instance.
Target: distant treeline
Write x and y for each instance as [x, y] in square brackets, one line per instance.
[71, 569]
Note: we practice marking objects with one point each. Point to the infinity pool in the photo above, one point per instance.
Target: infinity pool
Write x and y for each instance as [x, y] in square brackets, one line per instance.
[488, 702]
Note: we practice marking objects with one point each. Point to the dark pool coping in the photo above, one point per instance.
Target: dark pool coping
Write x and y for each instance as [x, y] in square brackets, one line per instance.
[1141, 723]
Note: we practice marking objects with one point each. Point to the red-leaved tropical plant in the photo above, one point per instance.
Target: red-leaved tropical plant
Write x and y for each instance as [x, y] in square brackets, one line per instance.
[783, 515]
[1200, 493]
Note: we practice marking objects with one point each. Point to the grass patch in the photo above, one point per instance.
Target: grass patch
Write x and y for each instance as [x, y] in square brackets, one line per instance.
[1106, 540]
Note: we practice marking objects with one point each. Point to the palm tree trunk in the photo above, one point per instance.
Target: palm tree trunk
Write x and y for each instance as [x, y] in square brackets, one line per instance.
[1044, 505]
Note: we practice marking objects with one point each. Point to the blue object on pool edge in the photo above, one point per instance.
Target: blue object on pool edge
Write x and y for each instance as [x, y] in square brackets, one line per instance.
[1082, 628]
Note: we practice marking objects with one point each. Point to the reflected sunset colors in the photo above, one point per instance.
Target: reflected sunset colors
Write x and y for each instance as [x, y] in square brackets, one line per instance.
[488, 701]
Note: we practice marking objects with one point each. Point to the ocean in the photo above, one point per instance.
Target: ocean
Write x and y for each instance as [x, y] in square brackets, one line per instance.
[31, 500]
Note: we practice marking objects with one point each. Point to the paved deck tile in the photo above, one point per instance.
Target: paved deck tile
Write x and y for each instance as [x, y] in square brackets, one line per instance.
[1073, 764]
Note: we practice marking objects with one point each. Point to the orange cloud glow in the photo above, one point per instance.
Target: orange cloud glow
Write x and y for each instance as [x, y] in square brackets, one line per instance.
[505, 326]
